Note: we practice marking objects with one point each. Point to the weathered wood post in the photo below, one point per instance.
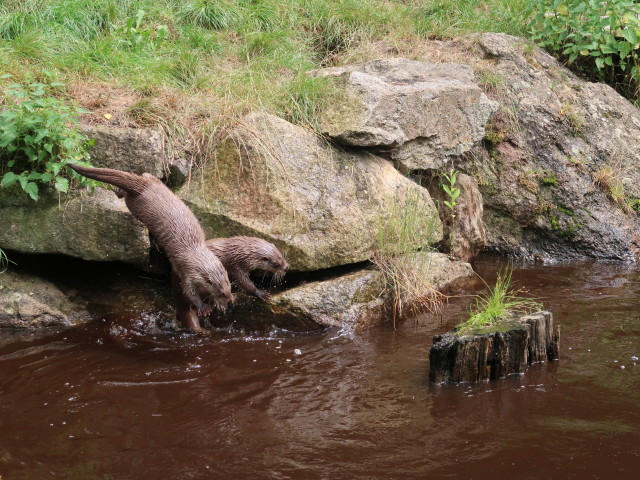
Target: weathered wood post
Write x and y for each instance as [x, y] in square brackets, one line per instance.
[494, 352]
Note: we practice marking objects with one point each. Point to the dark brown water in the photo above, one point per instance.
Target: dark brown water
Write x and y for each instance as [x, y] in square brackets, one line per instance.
[115, 401]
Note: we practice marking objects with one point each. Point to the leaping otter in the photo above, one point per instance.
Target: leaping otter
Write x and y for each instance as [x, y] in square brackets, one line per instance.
[201, 275]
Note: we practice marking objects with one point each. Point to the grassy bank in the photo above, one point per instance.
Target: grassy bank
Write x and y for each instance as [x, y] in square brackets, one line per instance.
[194, 66]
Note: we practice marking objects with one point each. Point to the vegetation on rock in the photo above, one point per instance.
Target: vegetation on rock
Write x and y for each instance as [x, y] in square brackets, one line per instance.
[409, 225]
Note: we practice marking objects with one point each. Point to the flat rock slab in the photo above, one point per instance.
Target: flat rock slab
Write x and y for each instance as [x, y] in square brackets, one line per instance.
[91, 227]
[27, 301]
[356, 301]
[424, 112]
[494, 352]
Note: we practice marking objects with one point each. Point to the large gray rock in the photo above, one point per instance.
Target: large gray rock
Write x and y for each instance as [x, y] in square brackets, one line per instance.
[425, 113]
[136, 150]
[91, 227]
[558, 151]
[27, 301]
[320, 205]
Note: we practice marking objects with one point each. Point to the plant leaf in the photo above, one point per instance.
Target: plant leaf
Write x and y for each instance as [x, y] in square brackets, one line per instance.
[32, 189]
[8, 179]
[62, 184]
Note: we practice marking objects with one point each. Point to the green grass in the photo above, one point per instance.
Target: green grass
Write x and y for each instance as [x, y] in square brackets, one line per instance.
[4, 261]
[409, 227]
[501, 303]
[231, 56]
[446, 18]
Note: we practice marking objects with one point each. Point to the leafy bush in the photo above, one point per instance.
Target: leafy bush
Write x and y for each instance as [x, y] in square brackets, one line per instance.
[599, 37]
[37, 139]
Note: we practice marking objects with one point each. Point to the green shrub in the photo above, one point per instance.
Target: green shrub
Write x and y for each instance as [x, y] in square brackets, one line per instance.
[38, 136]
[600, 38]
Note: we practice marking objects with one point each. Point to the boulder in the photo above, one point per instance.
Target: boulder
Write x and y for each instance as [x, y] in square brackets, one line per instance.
[91, 227]
[423, 113]
[559, 170]
[320, 205]
[27, 301]
[136, 150]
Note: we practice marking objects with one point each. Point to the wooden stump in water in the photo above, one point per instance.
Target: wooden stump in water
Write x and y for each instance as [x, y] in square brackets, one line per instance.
[493, 352]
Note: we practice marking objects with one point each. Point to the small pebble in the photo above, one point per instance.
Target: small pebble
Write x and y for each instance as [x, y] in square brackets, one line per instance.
[634, 358]
[297, 351]
[622, 366]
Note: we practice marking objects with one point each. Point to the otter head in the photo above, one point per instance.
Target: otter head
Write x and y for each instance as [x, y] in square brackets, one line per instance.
[269, 259]
[215, 289]
[209, 279]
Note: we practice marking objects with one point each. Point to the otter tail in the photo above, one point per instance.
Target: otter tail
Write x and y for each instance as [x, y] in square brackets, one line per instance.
[129, 182]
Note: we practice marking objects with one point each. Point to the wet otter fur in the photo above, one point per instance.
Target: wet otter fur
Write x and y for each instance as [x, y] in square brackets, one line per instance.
[201, 276]
[239, 255]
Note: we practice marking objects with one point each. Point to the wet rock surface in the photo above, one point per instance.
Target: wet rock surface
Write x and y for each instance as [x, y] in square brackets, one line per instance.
[355, 301]
[27, 301]
[494, 352]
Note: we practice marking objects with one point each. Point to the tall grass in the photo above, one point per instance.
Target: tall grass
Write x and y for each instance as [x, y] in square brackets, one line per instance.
[446, 18]
[409, 228]
[4, 261]
[501, 303]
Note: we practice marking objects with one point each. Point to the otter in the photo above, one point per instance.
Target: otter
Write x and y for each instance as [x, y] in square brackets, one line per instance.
[239, 255]
[201, 276]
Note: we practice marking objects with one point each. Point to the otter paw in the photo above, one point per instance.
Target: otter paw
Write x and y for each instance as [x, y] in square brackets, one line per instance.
[264, 295]
[204, 311]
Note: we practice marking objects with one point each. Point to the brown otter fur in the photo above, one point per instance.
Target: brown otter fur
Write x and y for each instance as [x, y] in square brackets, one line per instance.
[200, 274]
[239, 255]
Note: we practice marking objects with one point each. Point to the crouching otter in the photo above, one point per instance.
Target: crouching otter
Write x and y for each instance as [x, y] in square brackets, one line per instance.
[200, 274]
[239, 255]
